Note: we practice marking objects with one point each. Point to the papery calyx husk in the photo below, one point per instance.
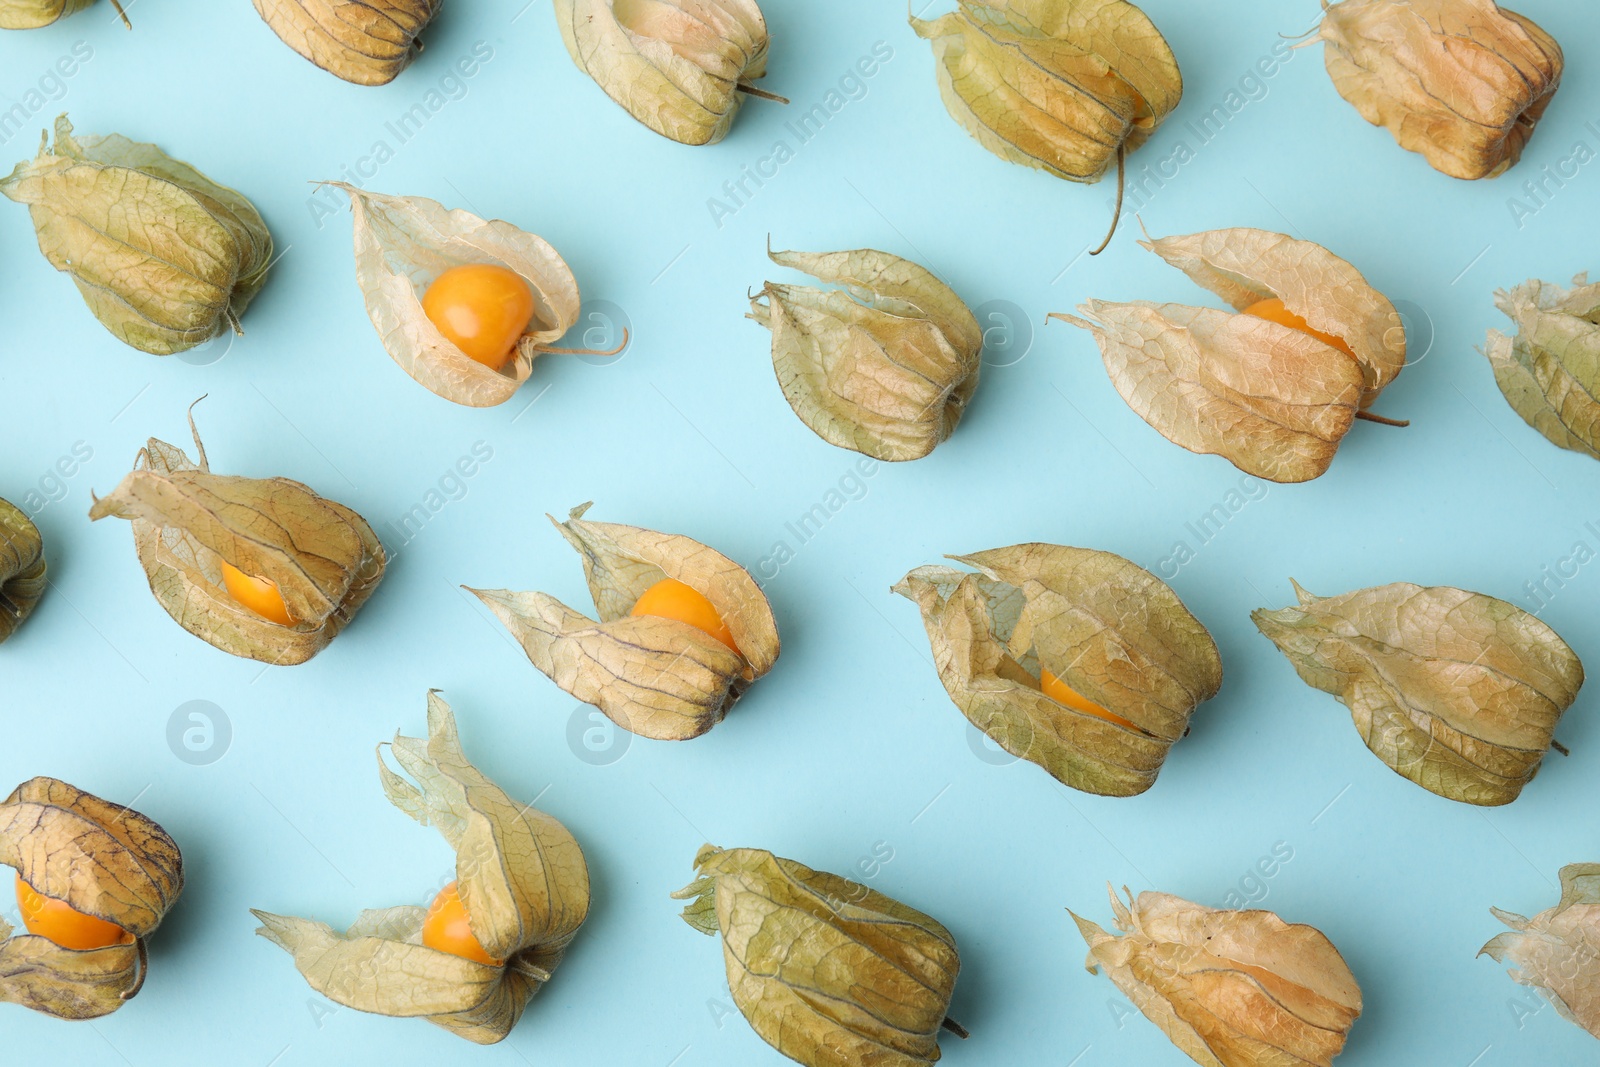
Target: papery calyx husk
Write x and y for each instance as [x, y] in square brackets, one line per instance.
[1457, 691]
[22, 568]
[367, 42]
[1463, 82]
[657, 677]
[1273, 401]
[403, 243]
[33, 14]
[1110, 630]
[323, 557]
[681, 67]
[885, 365]
[1557, 951]
[1229, 988]
[1550, 371]
[520, 874]
[103, 860]
[826, 971]
[165, 258]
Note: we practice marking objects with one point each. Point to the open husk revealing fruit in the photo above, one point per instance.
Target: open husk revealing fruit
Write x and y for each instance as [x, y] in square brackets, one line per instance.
[519, 873]
[826, 971]
[681, 67]
[367, 42]
[886, 365]
[1557, 951]
[658, 677]
[1067, 86]
[165, 258]
[322, 559]
[1273, 400]
[116, 870]
[32, 14]
[403, 243]
[1457, 691]
[22, 568]
[1550, 371]
[1071, 658]
[1229, 988]
[1464, 82]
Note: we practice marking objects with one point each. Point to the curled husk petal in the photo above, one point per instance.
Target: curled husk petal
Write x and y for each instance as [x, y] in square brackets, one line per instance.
[1229, 988]
[1557, 951]
[323, 557]
[826, 971]
[1062, 85]
[165, 258]
[1463, 82]
[1274, 401]
[22, 568]
[1112, 631]
[102, 859]
[402, 243]
[886, 365]
[33, 14]
[1550, 371]
[367, 42]
[675, 65]
[520, 874]
[1457, 691]
[657, 677]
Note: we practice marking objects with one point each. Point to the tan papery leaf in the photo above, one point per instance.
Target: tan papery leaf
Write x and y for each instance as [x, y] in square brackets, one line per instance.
[32, 14]
[22, 568]
[367, 42]
[1550, 371]
[1557, 951]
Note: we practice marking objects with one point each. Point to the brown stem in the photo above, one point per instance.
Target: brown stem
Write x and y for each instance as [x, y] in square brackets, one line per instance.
[1122, 181]
[1380, 420]
[955, 1028]
[761, 94]
[144, 967]
[121, 13]
[1559, 747]
[586, 351]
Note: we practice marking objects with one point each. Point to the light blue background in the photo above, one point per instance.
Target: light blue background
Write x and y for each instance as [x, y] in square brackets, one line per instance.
[850, 747]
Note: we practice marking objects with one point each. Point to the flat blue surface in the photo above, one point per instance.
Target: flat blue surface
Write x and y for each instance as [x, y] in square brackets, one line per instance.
[850, 749]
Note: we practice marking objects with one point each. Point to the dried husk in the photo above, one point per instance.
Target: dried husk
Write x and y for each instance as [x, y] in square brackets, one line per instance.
[657, 677]
[520, 874]
[1066, 86]
[22, 568]
[402, 243]
[1557, 951]
[1229, 988]
[1463, 82]
[826, 971]
[32, 14]
[367, 42]
[1109, 629]
[1550, 371]
[187, 522]
[884, 366]
[1274, 401]
[103, 859]
[165, 258]
[1457, 691]
[681, 67]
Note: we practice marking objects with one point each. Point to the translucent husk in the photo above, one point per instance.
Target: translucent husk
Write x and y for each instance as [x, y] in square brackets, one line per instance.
[1229, 988]
[1109, 629]
[657, 677]
[1274, 401]
[1550, 371]
[886, 365]
[323, 557]
[367, 42]
[1557, 951]
[104, 860]
[520, 874]
[1457, 691]
[1463, 82]
[22, 568]
[681, 67]
[33, 14]
[402, 243]
[826, 971]
[165, 258]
